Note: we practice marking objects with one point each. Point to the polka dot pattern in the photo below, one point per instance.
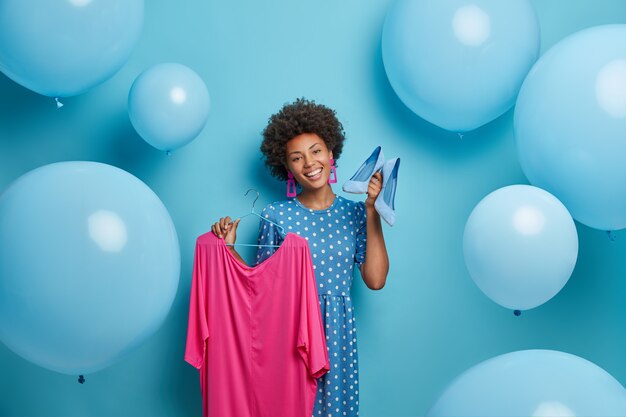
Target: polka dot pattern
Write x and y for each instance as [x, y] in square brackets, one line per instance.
[336, 238]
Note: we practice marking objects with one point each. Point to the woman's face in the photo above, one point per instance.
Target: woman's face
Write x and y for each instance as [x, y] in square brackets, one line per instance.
[308, 158]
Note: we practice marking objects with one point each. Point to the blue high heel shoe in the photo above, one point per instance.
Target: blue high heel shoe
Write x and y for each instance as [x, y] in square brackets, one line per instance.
[384, 203]
[360, 180]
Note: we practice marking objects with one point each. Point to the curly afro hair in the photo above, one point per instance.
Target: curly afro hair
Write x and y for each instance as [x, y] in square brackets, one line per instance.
[301, 116]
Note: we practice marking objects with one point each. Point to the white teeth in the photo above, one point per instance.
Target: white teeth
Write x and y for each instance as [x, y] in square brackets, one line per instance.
[314, 173]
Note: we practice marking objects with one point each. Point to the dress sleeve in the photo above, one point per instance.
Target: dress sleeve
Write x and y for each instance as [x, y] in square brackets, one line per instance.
[361, 233]
[197, 328]
[268, 234]
[311, 336]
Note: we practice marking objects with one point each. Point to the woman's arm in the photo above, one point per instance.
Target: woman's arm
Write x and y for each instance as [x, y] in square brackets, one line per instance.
[376, 265]
[236, 254]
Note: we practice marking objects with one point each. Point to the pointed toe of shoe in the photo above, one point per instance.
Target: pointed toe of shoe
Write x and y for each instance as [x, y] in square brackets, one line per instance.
[355, 187]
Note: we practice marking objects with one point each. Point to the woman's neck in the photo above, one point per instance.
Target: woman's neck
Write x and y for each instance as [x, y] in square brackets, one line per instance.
[318, 199]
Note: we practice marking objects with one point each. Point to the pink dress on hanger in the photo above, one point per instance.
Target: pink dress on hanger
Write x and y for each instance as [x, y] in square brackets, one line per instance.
[255, 333]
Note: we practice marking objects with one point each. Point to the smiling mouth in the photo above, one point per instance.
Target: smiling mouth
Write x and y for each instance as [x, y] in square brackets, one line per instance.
[313, 174]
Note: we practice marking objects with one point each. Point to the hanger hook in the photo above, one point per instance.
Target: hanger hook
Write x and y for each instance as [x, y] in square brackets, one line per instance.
[257, 196]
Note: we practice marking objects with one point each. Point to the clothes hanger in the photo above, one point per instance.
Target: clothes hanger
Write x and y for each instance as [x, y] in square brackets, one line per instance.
[252, 212]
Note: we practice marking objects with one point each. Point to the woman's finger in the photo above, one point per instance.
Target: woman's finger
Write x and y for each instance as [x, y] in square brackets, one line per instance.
[224, 223]
[376, 181]
[217, 230]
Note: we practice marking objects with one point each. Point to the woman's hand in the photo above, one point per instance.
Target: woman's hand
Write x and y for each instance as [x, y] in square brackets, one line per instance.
[373, 189]
[225, 229]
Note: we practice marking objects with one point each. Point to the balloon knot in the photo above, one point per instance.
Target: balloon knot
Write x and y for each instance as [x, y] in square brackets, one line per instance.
[611, 235]
[168, 152]
[517, 313]
[81, 379]
[59, 104]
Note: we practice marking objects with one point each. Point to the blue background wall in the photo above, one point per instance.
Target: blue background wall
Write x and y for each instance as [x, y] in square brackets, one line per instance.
[430, 322]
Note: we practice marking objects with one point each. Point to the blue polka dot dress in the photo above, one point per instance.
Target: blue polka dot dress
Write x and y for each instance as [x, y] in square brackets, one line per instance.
[336, 238]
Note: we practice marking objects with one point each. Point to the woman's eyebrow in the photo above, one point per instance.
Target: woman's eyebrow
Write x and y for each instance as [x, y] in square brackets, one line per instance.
[310, 147]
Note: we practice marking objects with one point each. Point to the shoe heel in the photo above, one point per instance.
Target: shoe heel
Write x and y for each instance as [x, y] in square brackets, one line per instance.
[385, 202]
[389, 192]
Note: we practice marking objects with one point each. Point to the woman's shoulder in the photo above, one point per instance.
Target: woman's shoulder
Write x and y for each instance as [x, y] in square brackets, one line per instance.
[281, 207]
[277, 206]
[354, 210]
[350, 204]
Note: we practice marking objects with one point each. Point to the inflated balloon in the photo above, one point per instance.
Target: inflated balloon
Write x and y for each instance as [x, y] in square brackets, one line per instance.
[168, 105]
[459, 64]
[533, 383]
[64, 48]
[520, 246]
[570, 122]
[89, 265]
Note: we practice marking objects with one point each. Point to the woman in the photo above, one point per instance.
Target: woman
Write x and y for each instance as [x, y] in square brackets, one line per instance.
[301, 143]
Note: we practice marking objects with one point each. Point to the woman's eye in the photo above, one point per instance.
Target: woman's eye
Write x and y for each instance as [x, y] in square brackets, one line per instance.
[317, 151]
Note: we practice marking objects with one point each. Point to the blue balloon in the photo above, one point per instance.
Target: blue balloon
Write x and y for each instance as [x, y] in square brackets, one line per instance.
[89, 265]
[168, 104]
[459, 64]
[64, 48]
[533, 383]
[520, 246]
[570, 124]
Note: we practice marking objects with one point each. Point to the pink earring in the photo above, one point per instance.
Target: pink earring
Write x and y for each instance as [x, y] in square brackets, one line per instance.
[332, 178]
[291, 185]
